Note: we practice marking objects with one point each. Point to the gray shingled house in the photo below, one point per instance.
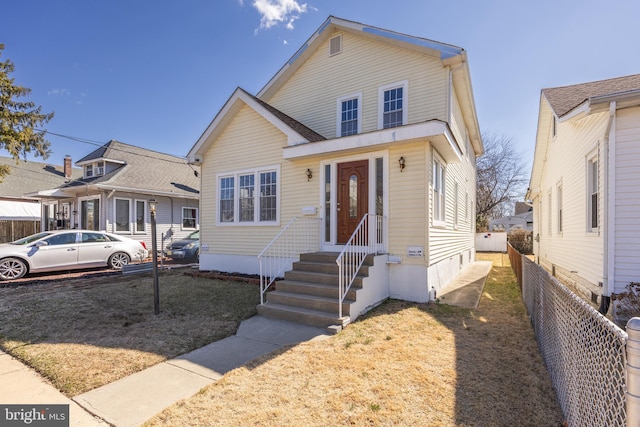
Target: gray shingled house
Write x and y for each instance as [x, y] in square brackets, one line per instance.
[117, 182]
[21, 215]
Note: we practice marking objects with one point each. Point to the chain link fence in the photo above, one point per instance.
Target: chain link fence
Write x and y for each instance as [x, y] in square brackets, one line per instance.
[585, 353]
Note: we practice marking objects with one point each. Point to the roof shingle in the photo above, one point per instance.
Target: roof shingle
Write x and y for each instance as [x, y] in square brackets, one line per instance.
[565, 98]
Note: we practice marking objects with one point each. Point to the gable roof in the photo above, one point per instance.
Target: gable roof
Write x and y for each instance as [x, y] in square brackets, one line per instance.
[140, 170]
[430, 47]
[29, 176]
[296, 132]
[564, 99]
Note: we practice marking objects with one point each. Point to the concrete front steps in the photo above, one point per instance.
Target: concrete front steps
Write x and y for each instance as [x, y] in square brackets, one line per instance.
[309, 292]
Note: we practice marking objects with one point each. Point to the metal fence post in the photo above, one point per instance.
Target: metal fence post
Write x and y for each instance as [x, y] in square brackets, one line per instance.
[633, 372]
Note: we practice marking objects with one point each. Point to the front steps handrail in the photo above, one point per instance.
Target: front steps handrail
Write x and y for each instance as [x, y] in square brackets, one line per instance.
[300, 235]
[368, 238]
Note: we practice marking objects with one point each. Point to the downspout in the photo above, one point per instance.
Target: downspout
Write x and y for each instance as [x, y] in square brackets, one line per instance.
[608, 226]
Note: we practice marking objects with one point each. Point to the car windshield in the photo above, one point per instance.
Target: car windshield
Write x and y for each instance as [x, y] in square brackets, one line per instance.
[194, 236]
[30, 239]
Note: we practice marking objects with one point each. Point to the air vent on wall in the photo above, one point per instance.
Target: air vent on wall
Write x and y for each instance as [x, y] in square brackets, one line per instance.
[335, 45]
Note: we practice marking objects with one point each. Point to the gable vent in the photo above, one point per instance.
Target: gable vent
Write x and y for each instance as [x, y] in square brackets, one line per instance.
[335, 45]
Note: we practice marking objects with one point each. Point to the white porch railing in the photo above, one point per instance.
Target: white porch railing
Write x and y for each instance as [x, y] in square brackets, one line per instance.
[368, 238]
[300, 235]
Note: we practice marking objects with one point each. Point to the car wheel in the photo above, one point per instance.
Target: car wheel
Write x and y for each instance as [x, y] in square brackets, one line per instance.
[119, 260]
[12, 268]
[197, 256]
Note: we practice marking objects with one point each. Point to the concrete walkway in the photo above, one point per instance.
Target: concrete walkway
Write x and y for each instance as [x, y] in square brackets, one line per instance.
[466, 289]
[133, 400]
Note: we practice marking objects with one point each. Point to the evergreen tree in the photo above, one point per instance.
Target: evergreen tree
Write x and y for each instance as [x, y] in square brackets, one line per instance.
[19, 120]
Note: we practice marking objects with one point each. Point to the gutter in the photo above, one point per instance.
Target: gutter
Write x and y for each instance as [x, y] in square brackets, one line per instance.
[147, 191]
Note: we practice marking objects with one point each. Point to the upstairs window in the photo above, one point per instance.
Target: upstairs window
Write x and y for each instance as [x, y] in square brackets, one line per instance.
[393, 105]
[349, 122]
[94, 169]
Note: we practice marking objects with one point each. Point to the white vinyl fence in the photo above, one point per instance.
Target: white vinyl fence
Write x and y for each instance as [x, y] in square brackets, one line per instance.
[491, 242]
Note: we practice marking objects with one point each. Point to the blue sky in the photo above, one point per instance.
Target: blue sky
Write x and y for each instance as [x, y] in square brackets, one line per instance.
[155, 73]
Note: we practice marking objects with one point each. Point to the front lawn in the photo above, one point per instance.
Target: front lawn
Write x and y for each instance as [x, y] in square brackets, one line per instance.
[84, 333]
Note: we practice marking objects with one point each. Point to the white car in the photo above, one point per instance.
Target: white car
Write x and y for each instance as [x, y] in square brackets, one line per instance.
[67, 250]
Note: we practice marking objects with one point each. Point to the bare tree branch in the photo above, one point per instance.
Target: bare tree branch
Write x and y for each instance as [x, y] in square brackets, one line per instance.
[500, 178]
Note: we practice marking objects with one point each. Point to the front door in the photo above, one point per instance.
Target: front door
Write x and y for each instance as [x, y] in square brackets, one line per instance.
[353, 197]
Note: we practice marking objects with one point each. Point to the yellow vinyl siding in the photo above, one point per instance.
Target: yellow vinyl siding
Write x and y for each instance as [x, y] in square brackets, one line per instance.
[457, 122]
[249, 142]
[450, 240]
[407, 200]
[364, 65]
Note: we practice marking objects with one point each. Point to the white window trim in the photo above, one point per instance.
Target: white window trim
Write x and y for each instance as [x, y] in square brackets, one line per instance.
[592, 158]
[456, 205]
[549, 213]
[559, 207]
[236, 199]
[135, 219]
[115, 213]
[197, 218]
[441, 221]
[339, 102]
[405, 101]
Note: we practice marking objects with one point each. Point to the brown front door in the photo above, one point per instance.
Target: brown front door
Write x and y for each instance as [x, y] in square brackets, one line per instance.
[353, 197]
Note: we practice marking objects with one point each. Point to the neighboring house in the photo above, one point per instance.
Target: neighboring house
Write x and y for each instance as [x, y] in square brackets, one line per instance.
[585, 185]
[113, 193]
[21, 215]
[520, 221]
[361, 121]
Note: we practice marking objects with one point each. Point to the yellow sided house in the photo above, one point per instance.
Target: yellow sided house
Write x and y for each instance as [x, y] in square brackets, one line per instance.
[351, 175]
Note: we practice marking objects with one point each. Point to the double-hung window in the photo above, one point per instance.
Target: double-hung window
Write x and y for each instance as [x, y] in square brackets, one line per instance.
[592, 194]
[438, 191]
[189, 218]
[249, 197]
[130, 216]
[393, 105]
[559, 206]
[349, 122]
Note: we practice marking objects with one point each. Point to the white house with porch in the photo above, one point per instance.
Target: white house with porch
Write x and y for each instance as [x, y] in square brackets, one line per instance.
[359, 154]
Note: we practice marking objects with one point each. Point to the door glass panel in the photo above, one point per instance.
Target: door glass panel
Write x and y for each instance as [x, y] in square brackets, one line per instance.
[90, 211]
[353, 197]
[327, 203]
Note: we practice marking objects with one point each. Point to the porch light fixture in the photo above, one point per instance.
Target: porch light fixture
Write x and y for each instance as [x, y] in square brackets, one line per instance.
[309, 175]
[402, 163]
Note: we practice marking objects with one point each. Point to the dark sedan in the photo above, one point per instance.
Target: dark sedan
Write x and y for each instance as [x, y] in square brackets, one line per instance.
[187, 249]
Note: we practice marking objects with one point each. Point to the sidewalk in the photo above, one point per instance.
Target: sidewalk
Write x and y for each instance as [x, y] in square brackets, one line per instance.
[136, 398]
[22, 385]
[133, 400]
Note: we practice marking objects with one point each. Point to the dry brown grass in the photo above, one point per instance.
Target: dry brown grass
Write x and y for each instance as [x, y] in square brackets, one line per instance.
[84, 333]
[402, 364]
